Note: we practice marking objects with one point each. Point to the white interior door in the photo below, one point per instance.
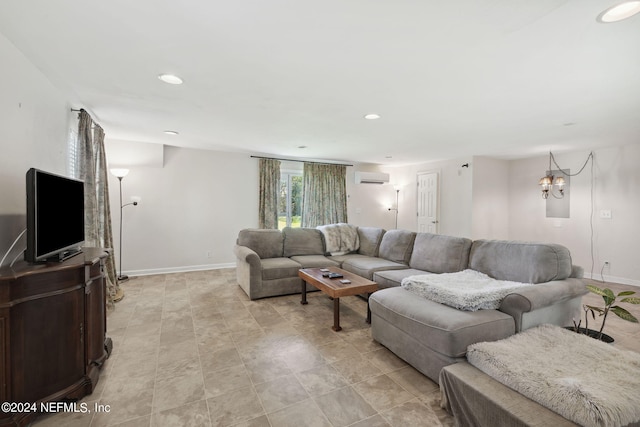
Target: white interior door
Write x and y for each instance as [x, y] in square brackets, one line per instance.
[428, 187]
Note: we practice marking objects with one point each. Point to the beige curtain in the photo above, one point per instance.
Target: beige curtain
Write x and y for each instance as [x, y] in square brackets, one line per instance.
[269, 189]
[93, 171]
[324, 194]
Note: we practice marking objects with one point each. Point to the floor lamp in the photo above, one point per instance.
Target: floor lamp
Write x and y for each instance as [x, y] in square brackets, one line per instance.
[396, 208]
[121, 173]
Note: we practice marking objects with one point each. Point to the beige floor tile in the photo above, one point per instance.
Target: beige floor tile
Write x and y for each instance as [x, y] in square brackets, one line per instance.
[344, 406]
[382, 392]
[305, 413]
[195, 414]
[321, 380]
[226, 380]
[413, 413]
[356, 369]
[234, 407]
[280, 393]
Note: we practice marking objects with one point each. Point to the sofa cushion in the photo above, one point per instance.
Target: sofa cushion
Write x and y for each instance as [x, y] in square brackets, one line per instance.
[366, 266]
[391, 278]
[314, 261]
[396, 246]
[266, 243]
[370, 238]
[520, 261]
[440, 254]
[278, 268]
[302, 241]
[444, 329]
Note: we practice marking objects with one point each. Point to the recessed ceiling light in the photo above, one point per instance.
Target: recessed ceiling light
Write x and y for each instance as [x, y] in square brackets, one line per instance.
[171, 132]
[171, 79]
[372, 116]
[619, 12]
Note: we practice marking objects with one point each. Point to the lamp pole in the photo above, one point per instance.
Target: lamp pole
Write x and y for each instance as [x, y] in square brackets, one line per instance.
[121, 277]
[121, 173]
[396, 208]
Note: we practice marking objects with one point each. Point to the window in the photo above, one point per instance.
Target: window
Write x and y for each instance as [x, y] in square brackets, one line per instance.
[73, 152]
[290, 200]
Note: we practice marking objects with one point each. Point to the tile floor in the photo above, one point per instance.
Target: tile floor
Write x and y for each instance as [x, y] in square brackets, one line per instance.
[190, 349]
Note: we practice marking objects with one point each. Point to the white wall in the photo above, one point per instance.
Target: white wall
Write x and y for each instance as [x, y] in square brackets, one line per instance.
[490, 199]
[616, 188]
[455, 195]
[34, 126]
[190, 213]
[368, 204]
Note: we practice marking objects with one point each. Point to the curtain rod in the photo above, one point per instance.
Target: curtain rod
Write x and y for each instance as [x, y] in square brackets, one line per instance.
[302, 161]
[95, 125]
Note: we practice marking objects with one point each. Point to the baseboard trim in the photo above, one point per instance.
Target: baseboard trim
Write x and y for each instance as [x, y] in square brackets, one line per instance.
[184, 269]
[612, 279]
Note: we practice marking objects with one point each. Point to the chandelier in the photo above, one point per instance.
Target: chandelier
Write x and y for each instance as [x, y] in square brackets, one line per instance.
[554, 185]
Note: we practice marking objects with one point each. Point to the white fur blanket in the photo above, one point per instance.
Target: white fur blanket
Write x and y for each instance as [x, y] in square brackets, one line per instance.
[341, 238]
[467, 290]
[583, 379]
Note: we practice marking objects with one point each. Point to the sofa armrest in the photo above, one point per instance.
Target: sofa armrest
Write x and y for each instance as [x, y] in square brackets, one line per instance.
[248, 255]
[542, 295]
[577, 272]
[543, 301]
[248, 269]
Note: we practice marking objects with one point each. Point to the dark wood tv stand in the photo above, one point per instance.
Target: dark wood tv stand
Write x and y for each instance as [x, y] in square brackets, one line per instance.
[52, 332]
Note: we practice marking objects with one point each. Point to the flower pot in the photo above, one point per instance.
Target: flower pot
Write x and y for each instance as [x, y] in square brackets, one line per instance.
[593, 334]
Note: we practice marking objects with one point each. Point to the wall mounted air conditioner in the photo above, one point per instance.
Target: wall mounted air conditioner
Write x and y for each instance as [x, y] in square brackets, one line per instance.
[371, 177]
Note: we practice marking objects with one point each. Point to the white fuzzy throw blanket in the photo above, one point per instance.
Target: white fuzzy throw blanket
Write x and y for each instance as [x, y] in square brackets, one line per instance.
[583, 379]
[341, 238]
[467, 290]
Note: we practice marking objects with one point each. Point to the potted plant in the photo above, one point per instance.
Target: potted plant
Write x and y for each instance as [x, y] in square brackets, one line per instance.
[609, 299]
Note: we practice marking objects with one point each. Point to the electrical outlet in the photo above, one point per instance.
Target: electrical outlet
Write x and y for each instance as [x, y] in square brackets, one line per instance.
[208, 254]
[605, 214]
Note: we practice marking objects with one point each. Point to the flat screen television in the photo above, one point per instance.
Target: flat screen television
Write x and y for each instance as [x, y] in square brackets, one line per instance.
[55, 216]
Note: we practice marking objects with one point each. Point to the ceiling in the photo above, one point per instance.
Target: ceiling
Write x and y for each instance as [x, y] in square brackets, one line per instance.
[500, 78]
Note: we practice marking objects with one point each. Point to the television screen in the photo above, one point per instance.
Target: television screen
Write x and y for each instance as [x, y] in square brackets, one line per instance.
[55, 215]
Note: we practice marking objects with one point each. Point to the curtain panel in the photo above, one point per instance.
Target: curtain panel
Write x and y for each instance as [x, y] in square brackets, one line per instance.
[97, 212]
[269, 189]
[324, 194]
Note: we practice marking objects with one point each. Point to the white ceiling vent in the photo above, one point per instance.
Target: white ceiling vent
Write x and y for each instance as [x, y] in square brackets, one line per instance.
[371, 178]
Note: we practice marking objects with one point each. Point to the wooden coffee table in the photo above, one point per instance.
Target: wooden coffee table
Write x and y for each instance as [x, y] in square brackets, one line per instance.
[335, 289]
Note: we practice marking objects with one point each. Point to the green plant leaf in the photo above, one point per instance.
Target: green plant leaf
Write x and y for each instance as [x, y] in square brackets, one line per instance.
[633, 300]
[623, 314]
[623, 293]
[596, 290]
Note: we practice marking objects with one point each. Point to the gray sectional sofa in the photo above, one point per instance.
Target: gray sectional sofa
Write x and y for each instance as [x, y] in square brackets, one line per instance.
[426, 334]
